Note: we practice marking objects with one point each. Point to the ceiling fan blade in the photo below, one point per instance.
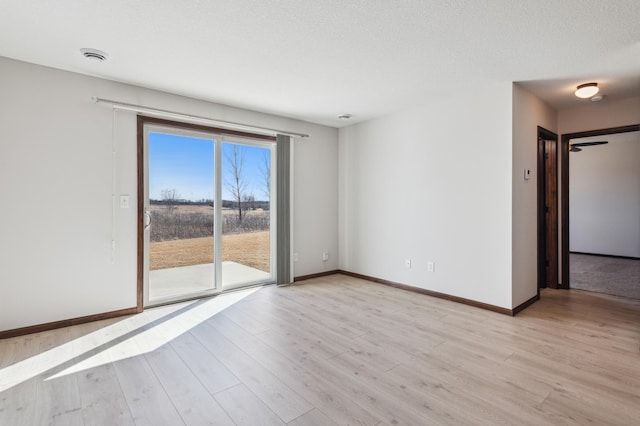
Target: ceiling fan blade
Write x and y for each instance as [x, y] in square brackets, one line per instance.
[590, 143]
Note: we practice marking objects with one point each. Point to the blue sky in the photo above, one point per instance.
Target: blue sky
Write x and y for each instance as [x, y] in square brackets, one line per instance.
[186, 164]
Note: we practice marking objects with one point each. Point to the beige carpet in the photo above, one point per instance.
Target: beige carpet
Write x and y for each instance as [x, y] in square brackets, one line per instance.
[602, 274]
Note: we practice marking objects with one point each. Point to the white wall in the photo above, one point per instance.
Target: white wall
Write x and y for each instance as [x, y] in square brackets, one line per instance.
[56, 181]
[529, 112]
[599, 115]
[604, 196]
[432, 183]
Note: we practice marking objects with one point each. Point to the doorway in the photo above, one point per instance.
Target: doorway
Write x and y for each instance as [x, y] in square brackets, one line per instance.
[206, 217]
[603, 246]
[547, 209]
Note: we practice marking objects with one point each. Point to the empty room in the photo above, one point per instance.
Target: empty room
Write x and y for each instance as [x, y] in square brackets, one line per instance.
[319, 212]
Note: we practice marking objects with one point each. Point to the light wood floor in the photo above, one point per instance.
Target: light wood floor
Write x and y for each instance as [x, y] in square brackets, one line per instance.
[334, 350]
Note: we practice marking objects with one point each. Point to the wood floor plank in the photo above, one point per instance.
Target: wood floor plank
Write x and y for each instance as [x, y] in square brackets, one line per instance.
[621, 399]
[192, 400]
[292, 320]
[100, 393]
[286, 403]
[285, 334]
[213, 375]
[311, 311]
[499, 400]
[147, 400]
[439, 386]
[363, 322]
[20, 348]
[586, 332]
[459, 364]
[294, 334]
[57, 399]
[230, 329]
[245, 408]
[103, 401]
[299, 345]
[383, 399]
[17, 402]
[249, 319]
[564, 411]
[312, 418]
[329, 397]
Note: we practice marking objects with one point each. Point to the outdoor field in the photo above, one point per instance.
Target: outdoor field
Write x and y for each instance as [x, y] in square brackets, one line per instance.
[182, 236]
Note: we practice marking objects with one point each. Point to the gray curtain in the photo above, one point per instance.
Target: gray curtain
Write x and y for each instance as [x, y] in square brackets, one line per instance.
[283, 238]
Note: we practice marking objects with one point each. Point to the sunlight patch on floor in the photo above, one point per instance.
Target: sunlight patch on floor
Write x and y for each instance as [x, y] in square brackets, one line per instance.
[150, 338]
[157, 335]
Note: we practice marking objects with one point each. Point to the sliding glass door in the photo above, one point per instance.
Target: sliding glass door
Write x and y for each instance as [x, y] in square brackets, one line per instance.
[247, 243]
[207, 213]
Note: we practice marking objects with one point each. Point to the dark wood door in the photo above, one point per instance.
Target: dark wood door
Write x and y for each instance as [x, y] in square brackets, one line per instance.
[547, 209]
[551, 213]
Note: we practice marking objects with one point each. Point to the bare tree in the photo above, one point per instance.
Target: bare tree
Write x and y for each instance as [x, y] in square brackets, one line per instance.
[170, 199]
[265, 171]
[234, 177]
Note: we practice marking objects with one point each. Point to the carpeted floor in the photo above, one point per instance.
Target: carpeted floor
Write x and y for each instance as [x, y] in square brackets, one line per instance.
[602, 274]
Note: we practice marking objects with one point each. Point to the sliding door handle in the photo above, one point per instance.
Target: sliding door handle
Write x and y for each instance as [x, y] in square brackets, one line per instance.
[147, 219]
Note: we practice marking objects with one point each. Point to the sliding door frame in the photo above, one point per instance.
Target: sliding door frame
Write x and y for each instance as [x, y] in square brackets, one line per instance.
[142, 121]
[274, 210]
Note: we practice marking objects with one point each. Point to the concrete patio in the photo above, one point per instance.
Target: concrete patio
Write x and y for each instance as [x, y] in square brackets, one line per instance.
[187, 280]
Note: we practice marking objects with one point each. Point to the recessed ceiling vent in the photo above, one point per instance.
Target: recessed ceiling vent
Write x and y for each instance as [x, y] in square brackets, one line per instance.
[94, 55]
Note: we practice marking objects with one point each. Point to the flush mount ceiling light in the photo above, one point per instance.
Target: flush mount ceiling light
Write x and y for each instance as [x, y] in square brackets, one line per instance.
[344, 116]
[587, 90]
[94, 55]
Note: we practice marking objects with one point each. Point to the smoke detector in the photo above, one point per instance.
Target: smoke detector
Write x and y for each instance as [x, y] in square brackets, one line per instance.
[94, 55]
[344, 116]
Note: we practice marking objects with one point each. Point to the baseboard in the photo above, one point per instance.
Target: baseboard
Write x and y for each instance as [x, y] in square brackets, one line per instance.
[525, 304]
[436, 294]
[605, 255]
[65, 323]
[130, 311]
[317, 275]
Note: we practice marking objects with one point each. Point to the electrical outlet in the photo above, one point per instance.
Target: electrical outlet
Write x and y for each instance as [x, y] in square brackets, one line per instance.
[124, 201]
[295, 257]
[431, 267]
[325, 256]
[407, 263]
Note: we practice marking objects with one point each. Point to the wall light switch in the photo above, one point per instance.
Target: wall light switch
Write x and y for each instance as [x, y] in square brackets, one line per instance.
[527, 174]
[124, 201]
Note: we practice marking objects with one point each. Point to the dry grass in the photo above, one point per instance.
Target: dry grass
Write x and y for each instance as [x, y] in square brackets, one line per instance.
[184, 208]
[197, 221]
[205, 209]
[251, 249]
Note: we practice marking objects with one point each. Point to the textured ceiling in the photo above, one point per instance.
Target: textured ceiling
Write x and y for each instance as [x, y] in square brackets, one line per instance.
[315, 59]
